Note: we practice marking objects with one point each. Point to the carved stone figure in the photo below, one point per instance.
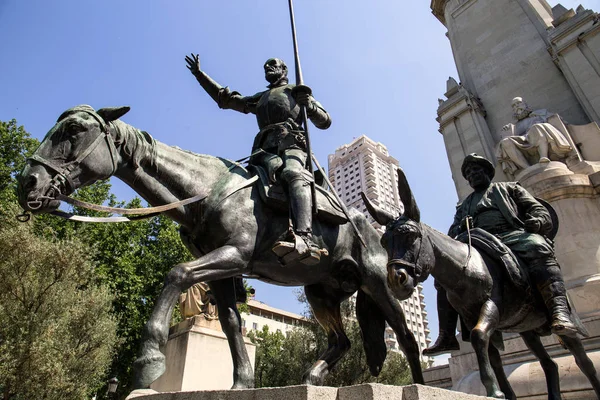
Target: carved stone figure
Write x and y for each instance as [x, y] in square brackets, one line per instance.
[533, 140]
[481, 278]
[196, 301]
[229, 232]
[280, 144]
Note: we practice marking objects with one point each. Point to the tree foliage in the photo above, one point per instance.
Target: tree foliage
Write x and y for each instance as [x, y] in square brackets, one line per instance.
[57, 332]
[15, 145]
[282, 360]
[131, 259]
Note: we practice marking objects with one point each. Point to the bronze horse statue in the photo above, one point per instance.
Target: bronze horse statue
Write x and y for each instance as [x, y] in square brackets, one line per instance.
[230, 232]
[473, 282]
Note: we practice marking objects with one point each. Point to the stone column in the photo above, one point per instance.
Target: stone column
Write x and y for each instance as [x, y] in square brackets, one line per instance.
[576, 48]
[465, 131]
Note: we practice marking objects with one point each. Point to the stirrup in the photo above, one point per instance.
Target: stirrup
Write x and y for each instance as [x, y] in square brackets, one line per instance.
[563, 326]
[298, 250]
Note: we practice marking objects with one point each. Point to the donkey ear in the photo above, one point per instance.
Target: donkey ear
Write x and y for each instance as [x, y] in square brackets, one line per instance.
[411, 210]
[109, 114]
[380, 215]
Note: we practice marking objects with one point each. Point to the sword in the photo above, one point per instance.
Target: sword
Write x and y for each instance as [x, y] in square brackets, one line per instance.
[300, 87]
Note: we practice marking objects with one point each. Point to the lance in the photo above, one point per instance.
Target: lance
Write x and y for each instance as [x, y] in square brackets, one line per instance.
[300, 87]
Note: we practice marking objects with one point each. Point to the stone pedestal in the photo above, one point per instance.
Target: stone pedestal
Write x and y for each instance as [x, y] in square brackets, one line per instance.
[371, 391]
[198, 357]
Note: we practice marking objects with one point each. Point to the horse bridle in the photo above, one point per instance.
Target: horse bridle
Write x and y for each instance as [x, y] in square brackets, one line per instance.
[62, 177]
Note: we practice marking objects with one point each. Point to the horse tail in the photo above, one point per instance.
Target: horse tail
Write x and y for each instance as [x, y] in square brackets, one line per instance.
[372, 326]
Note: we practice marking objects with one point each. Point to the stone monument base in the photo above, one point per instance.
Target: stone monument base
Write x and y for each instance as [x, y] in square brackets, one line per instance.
[370, 391]
[198, 357]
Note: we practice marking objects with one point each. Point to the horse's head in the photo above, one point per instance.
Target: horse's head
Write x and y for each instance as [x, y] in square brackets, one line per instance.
[77, 151]
[408, 252]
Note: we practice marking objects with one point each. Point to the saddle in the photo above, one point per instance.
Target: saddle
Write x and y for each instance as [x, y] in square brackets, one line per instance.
[274, 196]
[515, 271]
[491, 246]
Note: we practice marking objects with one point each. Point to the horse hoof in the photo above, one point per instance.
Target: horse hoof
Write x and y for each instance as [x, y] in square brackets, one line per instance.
[243, 385]
[147, 369]
[313, 379]
[316, 375]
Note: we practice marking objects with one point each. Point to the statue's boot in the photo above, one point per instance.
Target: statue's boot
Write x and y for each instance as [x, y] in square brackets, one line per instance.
[546, 275]
[447, 317]
[560, 316]
[302, 248]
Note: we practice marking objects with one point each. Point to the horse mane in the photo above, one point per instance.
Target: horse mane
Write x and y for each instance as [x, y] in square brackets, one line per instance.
[140, 146]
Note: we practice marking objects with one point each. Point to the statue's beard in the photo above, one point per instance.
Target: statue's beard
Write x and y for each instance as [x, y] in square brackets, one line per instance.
[519, 115]
[276, 79]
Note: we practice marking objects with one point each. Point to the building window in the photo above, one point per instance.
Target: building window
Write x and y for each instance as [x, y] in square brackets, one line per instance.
[254, 326]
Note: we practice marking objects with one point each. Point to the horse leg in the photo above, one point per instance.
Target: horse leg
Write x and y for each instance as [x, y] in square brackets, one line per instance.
[496, 363]
[533, 342]
[489, 317]
[224, 262]
[378, 290]
[583, 361]
[325, 304]
[229, 317]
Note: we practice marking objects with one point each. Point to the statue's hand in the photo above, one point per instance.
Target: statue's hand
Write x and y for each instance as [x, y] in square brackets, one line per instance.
[304, 97]
[306, 100]
[193, 63]
[507, 127]
[532, 224]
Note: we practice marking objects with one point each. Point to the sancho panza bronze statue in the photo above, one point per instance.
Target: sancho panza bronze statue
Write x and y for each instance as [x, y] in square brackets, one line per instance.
[280, 145]
[513, 215]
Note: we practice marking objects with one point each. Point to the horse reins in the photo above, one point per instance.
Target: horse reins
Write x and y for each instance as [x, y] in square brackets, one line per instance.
[468, 222]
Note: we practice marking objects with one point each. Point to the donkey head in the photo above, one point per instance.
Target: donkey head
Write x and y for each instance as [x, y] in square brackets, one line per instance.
[403, 241]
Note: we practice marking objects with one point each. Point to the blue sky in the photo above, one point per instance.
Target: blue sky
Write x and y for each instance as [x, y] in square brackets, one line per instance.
[378, 67]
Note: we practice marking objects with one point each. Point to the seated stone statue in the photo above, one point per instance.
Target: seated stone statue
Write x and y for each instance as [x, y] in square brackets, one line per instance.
[533, 140]
[196, 301]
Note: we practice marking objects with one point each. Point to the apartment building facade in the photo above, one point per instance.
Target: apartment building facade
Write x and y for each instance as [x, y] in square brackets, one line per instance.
[366, 166]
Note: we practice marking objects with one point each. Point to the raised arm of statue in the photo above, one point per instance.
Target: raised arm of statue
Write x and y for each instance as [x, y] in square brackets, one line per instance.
[224, 97]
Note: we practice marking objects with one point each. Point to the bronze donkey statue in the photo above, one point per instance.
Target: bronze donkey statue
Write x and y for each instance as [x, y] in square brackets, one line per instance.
[476, 286]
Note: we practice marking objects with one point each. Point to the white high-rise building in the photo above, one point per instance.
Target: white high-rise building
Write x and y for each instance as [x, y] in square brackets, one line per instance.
[365, 166]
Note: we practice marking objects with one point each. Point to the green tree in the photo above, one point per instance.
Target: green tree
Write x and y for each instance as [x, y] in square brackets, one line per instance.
[131, 259]
[57, 333]
[282, 360]
[15, 145]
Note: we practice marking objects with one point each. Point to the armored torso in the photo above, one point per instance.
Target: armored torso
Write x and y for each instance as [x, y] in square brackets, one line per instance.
[277, 105]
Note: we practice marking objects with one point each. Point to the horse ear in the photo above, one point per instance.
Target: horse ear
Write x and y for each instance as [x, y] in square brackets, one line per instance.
[109, 114]
[411, 210]
[380, 215]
